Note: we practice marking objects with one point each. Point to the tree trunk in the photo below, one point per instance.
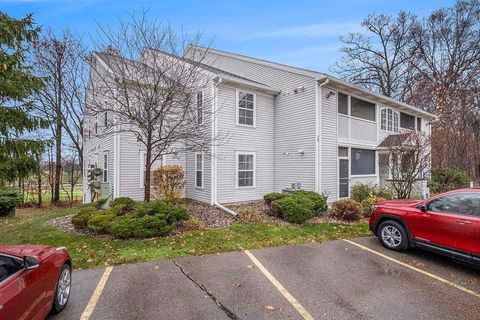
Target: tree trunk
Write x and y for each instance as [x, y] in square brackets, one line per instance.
[148, 167]
[39, 182]
[58, 138]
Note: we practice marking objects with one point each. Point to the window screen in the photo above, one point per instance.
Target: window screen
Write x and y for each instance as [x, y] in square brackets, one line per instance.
[362, 109]
[363, 161]
[342, 103]
[342, 151]
[407, 121]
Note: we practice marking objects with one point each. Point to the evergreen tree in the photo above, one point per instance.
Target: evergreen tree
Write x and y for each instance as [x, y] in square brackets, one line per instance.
[17, 87]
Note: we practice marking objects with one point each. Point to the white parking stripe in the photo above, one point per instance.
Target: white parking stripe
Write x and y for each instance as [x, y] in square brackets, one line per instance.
[428, 274]
[96, 294]
[279, 287]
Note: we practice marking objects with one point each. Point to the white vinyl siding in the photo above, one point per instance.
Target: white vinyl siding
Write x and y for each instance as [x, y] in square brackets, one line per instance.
[199, 170]
[329, 147]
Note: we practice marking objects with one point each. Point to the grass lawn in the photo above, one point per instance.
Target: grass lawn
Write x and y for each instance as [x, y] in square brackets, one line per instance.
[87, 252]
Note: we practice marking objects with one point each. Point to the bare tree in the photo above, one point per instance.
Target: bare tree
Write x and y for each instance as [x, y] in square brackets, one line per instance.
[142, 85]
[60, 61]
[71, 173]
[377, 60]
[410, 161]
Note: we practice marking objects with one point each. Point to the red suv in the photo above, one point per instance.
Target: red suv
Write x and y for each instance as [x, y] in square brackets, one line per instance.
[448, 223]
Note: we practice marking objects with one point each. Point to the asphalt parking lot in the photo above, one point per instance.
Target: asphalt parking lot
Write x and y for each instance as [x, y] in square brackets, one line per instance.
[332, 280]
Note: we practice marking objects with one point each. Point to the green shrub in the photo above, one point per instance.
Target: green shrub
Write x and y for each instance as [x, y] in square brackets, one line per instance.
[446, 179]
[319, 200]
[10, 197]
[100, 221]
[272, 196]
[80, 219]
[169, 210]
[296, 209]
[367, 205]
[100, 203]
[361, 191]
[133, 226]
[122, 205]
[346, 209]
[384, 193]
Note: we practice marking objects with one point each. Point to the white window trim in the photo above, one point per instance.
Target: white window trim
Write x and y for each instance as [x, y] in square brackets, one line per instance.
[203, 106]
[237, 108]
[203, 170]
[393, 121]
[254, 154]
[105, 165]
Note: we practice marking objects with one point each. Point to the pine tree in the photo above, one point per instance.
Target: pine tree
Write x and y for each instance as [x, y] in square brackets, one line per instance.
[17, 87]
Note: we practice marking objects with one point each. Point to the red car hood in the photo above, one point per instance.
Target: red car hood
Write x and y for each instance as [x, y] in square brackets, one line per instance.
[40, 252]
[398, 203]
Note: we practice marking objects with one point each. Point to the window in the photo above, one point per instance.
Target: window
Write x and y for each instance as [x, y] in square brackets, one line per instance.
[363, 161]
[8, 267]
[343, 152]
[461, 203]
[342, 103]
[199, 107]
[246, 109]
[89, 132]
[105, 119]
[245, 170]
[407, 121]
[105, 167]
[389, 120]
[362, 109]
[419, 124]
[96, 124]
[199, 170]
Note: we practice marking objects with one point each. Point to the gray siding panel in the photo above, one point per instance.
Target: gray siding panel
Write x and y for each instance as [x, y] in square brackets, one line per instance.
[294, 118]
[329, 157]
[259, 139]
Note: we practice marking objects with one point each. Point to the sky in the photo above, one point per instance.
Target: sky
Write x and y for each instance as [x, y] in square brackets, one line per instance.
[299, 33]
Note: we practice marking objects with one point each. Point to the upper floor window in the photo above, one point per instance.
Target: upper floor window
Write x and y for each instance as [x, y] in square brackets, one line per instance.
[105, 119]
[342, 103]
[419, 124]
[389, 120]
[362, 109]
[407, 121]
[246, 109]
[200, 107]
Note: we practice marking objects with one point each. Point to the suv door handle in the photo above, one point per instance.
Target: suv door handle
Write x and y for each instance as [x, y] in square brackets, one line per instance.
[464, 222]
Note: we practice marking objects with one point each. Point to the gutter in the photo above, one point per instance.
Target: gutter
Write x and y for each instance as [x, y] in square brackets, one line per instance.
[214, 201]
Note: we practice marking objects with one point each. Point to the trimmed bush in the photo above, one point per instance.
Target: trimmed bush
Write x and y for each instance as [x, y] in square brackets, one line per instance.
[133, 226]
[10, 197]
[171, 211]
[446, 179]
[273, 196]
[319, 200]
[346, 209]
[122, 205]
[295, 209]
[99, 222]
[85, 211]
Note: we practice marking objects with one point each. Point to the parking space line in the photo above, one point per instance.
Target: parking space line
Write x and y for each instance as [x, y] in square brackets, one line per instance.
[279, 287]
[428, 274]
[96, 294]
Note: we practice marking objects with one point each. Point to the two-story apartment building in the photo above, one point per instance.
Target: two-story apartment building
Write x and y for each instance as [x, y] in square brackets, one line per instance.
[285, 124]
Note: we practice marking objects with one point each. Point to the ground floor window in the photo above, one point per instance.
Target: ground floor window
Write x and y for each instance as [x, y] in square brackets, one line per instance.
[199, 170]
[362, 162]
[105, 167]
[245, 169]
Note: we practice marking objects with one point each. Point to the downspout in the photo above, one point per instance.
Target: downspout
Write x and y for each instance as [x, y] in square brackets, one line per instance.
[214, 153]
[318, 123]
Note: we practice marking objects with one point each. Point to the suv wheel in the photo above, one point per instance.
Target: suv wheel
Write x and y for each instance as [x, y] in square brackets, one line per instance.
[393, 236]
